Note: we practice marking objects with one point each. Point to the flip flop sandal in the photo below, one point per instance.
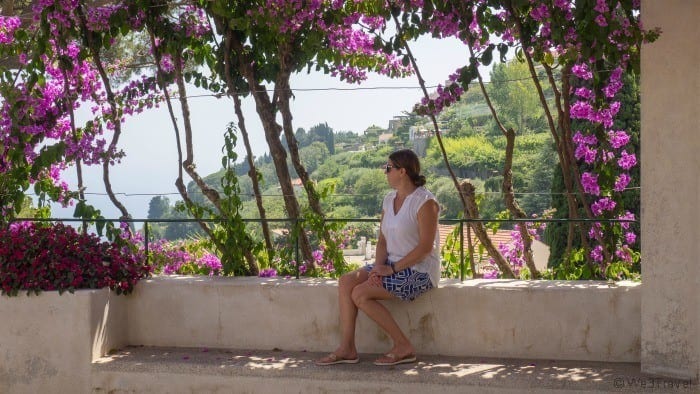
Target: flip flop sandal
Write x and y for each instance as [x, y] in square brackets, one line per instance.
[333, 359]
[391, 359]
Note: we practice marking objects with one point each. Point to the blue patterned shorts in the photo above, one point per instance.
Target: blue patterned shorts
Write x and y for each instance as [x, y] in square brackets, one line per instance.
[406, 284]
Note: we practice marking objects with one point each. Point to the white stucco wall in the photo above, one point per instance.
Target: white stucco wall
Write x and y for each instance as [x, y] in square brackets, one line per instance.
[47, 342]
[502, 318]
[671, 190]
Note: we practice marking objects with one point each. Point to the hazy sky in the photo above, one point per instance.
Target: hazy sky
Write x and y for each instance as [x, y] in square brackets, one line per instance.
[150, 165]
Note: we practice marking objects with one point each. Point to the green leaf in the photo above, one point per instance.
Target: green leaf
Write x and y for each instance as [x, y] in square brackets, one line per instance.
[503, 51]
[99, 226]
[21, 35]
[415, 19]
[549, 59]
[487, 56]
[19, 201]
[79, 209]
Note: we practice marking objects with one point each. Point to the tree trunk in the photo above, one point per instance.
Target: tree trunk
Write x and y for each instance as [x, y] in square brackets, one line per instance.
[512, 204]
[188, 164]
[568, 160]
[179, 182]
[467, 190]
[113, 106]
[470, 249]
[252, 171]
[267, 112]
[507, 187]
[284, 97]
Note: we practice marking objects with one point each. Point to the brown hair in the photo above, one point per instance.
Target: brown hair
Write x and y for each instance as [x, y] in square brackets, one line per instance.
[408, 160]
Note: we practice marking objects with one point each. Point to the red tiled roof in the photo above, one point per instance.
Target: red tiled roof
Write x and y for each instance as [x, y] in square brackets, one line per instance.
[497, 237]
[540, 250]
[500, 236]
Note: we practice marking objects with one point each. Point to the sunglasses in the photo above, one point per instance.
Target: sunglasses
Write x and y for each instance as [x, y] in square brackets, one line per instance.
[388, 167]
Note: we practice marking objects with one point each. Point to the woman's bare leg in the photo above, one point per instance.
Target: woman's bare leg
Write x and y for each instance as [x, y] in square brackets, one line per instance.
[365, 296]
[348, 313]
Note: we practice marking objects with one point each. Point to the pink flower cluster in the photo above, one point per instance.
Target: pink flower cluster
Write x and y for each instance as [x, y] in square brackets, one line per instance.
[588, 147]
[267, 273]
[173, 258]
[351, 42]
[287, 16]
[513, 251]
[611, 151]
[37, 115]
[194, 22]
[8, 25]
[289, 269]
[98, 17]
[211, 263]
[35, 258]
[443, 97]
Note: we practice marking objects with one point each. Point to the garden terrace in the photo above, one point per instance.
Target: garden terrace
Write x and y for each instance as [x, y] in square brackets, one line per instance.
[182, 334]
[49, 344]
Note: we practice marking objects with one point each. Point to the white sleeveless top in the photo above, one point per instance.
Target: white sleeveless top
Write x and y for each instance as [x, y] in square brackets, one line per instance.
[400, 231]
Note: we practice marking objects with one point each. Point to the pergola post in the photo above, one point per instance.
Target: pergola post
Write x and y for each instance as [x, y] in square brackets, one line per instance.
[670, 219]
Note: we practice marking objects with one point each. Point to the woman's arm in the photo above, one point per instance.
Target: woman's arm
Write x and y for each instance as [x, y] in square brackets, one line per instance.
[380, 253]
[380, 257]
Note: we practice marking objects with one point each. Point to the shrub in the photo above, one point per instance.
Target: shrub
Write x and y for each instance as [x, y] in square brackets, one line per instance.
[57, 257]
[187, 257]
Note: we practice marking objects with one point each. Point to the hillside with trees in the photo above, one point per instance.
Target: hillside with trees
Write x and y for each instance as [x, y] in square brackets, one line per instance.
[349, 163]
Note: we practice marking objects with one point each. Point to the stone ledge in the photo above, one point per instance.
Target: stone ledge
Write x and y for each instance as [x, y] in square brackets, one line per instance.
[560, 320]
[50, 340]
[187, 370]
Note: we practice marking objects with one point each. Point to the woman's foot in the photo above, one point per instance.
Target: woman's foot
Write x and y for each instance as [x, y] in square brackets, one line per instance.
[397, 355]
[392, 359]
[339, 357]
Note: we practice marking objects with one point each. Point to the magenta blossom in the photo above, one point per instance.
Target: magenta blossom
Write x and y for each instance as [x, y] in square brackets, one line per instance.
[621, 182]
[590, 183]
[8, 25]
[212, 263]
[618, 138]
[582, 71]
[627, 160]
[491, 274]
[602, 205]
[267, 273]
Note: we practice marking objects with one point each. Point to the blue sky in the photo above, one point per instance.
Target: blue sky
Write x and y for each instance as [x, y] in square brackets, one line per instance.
[150, 165]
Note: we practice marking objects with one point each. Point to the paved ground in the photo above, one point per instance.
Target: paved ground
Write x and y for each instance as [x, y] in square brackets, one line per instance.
[296, 372]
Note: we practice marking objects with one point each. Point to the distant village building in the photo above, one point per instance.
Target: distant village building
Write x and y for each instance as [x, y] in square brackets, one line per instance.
[297, 184]
[397, 122]
[418, 132]
[385, 137]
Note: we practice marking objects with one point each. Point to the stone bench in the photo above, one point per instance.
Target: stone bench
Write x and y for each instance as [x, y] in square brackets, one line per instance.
[50, 341]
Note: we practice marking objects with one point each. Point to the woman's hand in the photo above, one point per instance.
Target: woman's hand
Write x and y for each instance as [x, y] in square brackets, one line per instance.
[379, 270]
